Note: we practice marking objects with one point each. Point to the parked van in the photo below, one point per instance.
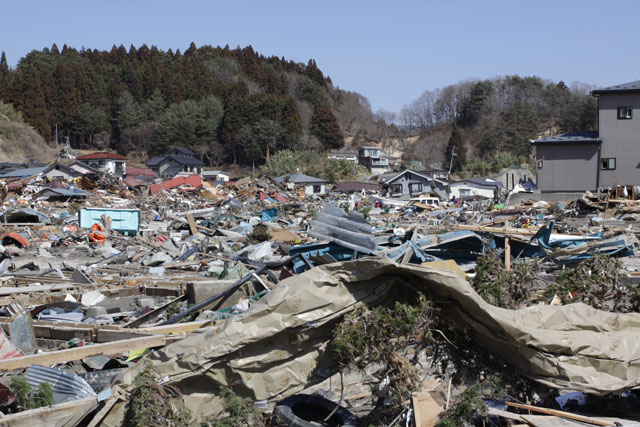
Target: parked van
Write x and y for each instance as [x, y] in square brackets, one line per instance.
[432, 202]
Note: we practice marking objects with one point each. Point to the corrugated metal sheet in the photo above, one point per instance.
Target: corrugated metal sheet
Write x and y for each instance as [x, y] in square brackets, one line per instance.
[192, 180]
[351, 231]
[66, 385]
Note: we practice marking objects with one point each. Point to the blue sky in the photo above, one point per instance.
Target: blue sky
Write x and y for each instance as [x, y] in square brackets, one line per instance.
[389, 51]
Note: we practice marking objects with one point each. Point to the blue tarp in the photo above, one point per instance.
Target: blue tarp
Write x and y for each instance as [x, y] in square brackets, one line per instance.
[269, 214]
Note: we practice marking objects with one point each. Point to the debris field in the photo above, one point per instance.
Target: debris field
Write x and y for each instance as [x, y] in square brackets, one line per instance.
[252, 303]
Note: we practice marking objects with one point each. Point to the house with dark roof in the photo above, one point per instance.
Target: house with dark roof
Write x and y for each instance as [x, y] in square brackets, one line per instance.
[179, 161]
[579, 161]
[311, 185]
[106, 162]
[407, 184]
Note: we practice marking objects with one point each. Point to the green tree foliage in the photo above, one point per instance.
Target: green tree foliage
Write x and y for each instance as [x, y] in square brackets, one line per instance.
[90, 121]
[474, 106]
[8, 113]
[501, 114]
[188, 123]
[326, 128]
[154, 106]
[456, 145]
[128, 113]
[491, 164]
[310, 163]
[4, 76]
[520, 125]
[282, 163]
[139, 88]
[262, 139]
[28, 96]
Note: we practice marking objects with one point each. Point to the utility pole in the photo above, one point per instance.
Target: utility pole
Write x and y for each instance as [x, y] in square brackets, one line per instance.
[453, 154]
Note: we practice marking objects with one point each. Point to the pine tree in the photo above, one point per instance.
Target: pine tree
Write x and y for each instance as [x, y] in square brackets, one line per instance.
[4, 77]
[28, 97]
[326, 128]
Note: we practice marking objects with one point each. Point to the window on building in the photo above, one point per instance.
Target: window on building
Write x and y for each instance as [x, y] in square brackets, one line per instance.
[415, 188]
[625, 113]
[609, 163]
[396, 189]
[317, 188]
[540, 164]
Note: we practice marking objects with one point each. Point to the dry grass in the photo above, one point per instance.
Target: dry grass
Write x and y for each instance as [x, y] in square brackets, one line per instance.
[19, 143]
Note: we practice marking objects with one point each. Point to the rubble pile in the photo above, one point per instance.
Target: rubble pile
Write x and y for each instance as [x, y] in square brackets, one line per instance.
[187, 303]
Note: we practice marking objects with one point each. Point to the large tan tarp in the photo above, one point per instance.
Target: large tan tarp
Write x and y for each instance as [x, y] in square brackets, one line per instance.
[280, 345]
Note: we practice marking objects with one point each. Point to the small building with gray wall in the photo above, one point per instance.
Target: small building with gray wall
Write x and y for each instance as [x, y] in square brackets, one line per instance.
[580, 161]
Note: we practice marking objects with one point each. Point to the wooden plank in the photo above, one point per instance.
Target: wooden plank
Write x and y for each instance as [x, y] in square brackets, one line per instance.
[496, 230]
[103, 412]
[62, 414]
[560, 414]
[426, 410]
[178, 328]
[549, 421]
[78, 353]
[106, 335]
[507, 254]
[504, 414]
[193, 227]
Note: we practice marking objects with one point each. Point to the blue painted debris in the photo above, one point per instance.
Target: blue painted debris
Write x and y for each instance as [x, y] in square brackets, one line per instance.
[126, 221]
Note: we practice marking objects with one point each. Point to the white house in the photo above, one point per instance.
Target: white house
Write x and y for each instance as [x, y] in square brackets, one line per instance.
[105, 162]
[311, 184]
[215, 176]
[350, 155]
[483, 187]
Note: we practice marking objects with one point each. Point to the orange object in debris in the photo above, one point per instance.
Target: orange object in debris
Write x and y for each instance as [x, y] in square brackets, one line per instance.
[96, 233]
[97, 237]
[97, 227]
[14, 238]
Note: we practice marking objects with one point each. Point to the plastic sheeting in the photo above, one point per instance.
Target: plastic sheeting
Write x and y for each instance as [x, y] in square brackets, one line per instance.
[280, 345]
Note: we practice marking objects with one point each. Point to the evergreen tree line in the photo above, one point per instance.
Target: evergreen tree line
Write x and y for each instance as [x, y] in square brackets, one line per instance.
[227, 105]
[482, 119]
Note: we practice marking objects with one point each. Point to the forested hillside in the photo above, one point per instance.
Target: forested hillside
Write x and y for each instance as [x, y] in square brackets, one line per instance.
[492, 121]
[228, 105]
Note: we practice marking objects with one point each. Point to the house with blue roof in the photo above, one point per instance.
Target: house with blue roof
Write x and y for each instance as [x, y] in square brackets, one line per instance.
[580, 161]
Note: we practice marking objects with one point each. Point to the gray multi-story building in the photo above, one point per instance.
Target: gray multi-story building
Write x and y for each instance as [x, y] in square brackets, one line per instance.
[580, 161]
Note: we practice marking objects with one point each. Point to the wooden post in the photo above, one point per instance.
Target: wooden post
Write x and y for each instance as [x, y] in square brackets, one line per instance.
[507, 254]
[193, 228]
[507, 248]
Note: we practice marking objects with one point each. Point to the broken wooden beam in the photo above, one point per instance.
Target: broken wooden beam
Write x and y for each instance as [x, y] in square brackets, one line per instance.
[68, 355]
